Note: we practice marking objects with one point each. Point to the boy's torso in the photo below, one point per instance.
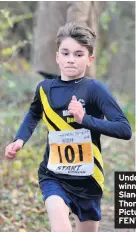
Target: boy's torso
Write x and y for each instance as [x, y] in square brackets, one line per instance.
[56, 96]
[59, 94]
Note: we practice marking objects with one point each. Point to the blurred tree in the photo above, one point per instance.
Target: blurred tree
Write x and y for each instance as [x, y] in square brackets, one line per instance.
[116, 63]
[50, 16]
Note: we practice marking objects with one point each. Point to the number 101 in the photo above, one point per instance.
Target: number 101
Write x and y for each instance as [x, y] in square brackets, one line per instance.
[70, 153]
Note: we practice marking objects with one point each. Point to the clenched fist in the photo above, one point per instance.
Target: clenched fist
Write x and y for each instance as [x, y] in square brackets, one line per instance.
[76, 109]
[12, 148]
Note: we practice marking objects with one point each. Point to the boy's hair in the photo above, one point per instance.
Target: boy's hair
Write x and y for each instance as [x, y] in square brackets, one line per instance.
[83, 35]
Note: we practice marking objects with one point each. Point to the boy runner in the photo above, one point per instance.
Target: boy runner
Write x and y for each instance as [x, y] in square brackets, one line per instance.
[73, 108]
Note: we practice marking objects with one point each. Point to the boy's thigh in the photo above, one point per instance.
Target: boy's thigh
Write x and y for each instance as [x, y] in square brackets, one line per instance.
[58, 211]
[86, 226]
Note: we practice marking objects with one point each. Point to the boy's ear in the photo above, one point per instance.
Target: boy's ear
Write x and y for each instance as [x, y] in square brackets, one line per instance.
[57, 55]
[91, 58]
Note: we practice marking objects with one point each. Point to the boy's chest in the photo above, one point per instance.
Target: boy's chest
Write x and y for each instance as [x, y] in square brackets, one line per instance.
[61, 98]
[58, 100]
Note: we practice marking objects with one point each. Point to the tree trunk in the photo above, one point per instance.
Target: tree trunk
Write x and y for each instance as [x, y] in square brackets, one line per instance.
[49, 17]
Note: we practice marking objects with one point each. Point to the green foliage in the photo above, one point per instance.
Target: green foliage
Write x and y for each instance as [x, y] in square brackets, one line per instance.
[129, 111]
[106, 50]
[11, 43]
[105, 58]
[127, 106]
[13, 49]
[8, 19]
[114, 46]
[17, 89]
[105, 17]
[103, 63]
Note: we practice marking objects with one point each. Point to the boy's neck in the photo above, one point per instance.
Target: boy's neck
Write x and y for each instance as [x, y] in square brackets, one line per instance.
[66, 78]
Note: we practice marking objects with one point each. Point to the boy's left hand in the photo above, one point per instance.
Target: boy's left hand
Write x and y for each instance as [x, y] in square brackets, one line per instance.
[76, 109]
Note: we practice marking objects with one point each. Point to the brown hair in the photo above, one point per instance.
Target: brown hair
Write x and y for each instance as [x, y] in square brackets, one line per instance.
[83, 35]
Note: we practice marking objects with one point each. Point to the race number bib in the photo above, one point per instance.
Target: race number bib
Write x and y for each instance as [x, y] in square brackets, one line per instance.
[71, 152]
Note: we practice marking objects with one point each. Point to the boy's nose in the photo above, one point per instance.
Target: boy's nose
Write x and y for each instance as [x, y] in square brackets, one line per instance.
[70, 62]
[71, 59]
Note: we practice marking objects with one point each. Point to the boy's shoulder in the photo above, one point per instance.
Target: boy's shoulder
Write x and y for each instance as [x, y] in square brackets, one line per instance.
[94, 82]
[44, 83]
[98, 88]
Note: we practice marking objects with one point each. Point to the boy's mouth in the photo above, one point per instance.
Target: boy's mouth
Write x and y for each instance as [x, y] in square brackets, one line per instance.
[71, 67]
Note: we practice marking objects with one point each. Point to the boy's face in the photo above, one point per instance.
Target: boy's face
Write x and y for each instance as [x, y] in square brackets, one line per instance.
[73, 58]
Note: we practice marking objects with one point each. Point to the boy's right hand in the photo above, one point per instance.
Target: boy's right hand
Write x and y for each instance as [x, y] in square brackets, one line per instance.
[12, 148]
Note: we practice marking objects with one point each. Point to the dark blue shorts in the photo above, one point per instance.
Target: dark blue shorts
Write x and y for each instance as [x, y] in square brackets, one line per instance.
[85, 209]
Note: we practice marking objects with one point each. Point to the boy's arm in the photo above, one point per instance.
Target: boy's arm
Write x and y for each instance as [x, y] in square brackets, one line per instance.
[116, 124]
[31, 119]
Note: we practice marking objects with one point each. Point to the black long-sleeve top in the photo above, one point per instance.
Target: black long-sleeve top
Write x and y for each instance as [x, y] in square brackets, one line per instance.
[50, 103]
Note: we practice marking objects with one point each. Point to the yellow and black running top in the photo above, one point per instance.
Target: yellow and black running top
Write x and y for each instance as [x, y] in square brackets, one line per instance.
[50, 103]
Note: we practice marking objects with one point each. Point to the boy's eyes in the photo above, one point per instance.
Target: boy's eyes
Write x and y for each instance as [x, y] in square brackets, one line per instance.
[66, 53]
[79, 55]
